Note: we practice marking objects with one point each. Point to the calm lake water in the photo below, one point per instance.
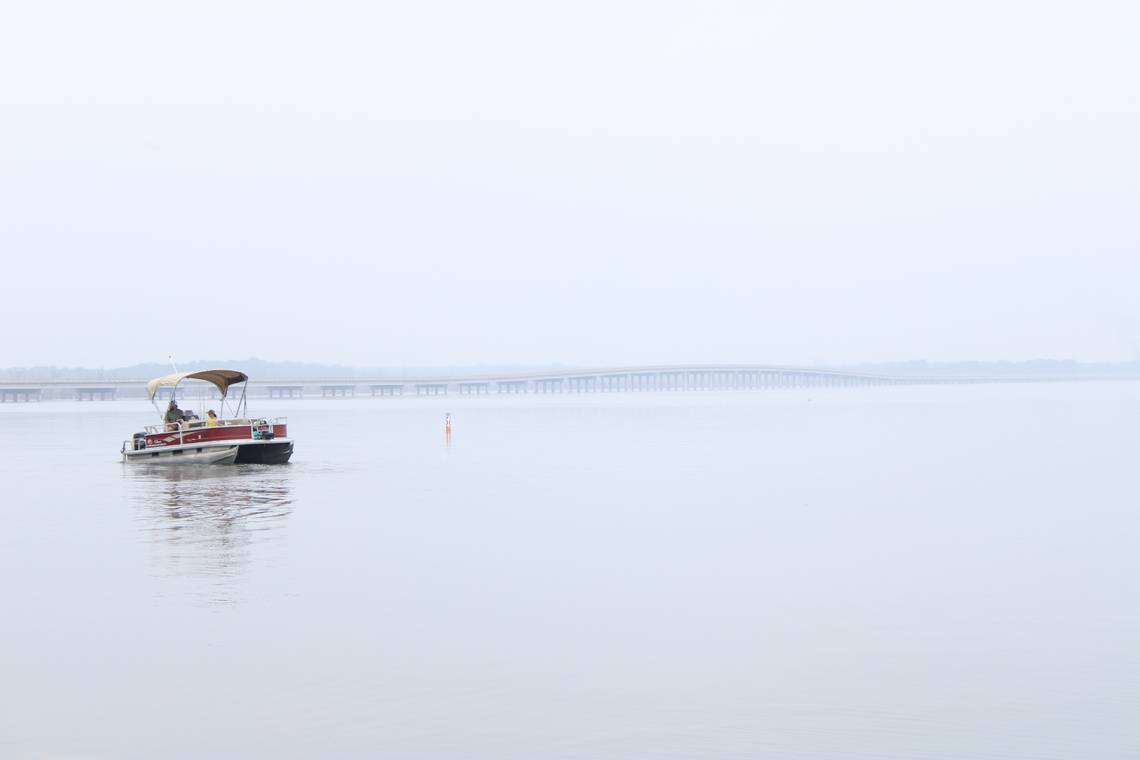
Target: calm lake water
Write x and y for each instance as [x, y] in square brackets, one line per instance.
[902, 573]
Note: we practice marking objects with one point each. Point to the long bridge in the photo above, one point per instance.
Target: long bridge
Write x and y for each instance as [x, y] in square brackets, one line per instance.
[634, 379]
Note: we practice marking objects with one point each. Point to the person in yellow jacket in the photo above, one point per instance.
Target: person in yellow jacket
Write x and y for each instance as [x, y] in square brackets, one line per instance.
[211, 419]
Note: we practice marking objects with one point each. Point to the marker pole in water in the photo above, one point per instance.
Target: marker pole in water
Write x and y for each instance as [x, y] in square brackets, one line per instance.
[447, 428]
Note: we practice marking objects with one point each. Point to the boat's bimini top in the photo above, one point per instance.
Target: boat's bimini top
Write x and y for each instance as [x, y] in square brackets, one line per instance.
[221, 378]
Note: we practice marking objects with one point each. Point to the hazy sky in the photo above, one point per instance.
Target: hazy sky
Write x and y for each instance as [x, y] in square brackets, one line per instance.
[442, 182]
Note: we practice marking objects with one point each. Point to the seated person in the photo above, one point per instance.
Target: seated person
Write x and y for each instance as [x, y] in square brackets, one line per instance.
[173, 416]
[211, 419]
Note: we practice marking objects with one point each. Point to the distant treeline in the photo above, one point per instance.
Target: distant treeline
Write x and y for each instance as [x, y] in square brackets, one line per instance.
[1032, 368]
[260, 368]
[255, 368]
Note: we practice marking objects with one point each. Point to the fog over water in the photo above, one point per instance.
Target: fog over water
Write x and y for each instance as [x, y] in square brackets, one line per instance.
[391, 184]
[897, 573]
[379, 191]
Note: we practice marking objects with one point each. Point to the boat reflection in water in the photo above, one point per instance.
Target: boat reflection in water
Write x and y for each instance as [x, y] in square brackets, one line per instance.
[206, 524]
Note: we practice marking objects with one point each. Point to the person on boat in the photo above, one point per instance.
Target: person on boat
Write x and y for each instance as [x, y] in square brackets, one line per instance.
[173, 415]
[211, 419]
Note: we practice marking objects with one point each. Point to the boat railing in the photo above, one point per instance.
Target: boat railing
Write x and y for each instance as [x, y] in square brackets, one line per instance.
[258, 427]
[186, 426]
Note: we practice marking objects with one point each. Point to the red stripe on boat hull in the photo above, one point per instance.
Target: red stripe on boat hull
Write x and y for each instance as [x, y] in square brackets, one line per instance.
[198, 435]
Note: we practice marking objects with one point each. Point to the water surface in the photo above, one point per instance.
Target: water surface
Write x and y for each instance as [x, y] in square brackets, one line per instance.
[840, 573]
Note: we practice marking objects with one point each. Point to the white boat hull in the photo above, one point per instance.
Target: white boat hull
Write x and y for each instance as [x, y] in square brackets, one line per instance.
[188, 454]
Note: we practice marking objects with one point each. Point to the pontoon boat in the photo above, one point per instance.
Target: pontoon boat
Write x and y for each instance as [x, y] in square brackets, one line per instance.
[221, 440]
